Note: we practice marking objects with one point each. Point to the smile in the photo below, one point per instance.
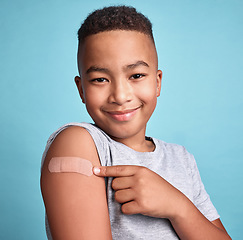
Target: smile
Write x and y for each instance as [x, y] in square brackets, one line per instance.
[122, 116]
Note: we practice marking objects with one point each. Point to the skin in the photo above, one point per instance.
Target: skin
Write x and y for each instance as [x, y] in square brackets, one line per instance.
[123, 78]
[141, 191]
[75, 204]
[119, 83]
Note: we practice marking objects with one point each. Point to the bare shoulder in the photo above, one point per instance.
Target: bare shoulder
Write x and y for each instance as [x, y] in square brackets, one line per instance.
[75, 202]
[73, 141]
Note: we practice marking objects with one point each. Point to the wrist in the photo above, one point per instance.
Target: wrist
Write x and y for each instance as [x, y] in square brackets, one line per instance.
[181, 209]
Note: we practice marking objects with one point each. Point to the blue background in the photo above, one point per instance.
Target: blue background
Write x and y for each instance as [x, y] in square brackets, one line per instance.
[200, 52]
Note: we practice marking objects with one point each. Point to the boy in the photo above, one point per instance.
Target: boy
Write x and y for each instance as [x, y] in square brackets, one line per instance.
[142, 188]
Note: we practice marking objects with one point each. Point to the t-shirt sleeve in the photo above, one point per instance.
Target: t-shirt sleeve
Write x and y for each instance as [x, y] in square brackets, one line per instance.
[201, 198]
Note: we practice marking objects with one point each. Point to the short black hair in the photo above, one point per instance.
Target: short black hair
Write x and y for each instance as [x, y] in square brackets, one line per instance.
[115, 18]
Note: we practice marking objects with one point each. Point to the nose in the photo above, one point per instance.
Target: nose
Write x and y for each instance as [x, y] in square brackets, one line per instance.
[120, 92]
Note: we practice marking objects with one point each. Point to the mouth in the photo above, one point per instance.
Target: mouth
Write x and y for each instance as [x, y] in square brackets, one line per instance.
[122, 116]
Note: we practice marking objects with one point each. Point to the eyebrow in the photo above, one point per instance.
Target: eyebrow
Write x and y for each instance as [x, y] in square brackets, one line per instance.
[106, 70]
[97, 69]
[138, 63]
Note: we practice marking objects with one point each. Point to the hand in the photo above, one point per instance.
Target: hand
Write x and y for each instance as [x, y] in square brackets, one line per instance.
[141, 190]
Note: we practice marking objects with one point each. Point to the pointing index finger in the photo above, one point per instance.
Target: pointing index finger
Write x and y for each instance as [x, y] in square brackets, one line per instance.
[115, 171]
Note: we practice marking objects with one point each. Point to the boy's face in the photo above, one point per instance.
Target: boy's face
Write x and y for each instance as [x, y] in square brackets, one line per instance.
[119, 81]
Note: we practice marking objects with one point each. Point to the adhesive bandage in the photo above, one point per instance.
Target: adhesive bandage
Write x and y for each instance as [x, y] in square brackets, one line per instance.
[71, 165]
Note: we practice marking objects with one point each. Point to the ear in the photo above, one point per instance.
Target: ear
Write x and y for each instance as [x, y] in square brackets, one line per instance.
[80, 88]
[159, 81]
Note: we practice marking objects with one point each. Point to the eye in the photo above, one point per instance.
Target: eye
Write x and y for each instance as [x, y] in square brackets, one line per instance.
[99, 80]
[137, 76]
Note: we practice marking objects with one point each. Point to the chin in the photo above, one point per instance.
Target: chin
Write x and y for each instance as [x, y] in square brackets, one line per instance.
[122, 131]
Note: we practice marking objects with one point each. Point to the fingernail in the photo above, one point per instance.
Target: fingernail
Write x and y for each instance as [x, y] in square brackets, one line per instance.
[96, 170]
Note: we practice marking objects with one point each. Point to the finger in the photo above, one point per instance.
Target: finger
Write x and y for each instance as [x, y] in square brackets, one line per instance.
[130, 208]
[124, 195]
[119, 183]
[115, 171]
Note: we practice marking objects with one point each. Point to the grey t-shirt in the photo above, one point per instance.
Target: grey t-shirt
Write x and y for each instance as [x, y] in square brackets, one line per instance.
[170, 161]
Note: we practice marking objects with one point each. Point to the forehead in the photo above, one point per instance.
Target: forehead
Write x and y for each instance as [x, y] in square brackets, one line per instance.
[116, 48]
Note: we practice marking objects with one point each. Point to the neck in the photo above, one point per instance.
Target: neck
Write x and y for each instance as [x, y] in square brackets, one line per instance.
[138, 143]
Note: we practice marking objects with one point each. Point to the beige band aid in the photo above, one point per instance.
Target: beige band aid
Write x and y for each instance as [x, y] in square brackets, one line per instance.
[71, 165]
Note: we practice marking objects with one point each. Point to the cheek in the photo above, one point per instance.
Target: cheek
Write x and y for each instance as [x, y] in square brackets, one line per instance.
[147, 92]
[94, 98]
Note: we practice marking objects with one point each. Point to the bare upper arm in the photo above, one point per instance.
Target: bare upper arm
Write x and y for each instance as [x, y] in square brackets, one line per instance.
[219, 225]
[75, 204]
